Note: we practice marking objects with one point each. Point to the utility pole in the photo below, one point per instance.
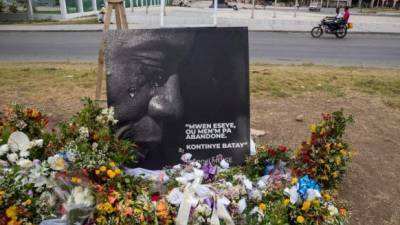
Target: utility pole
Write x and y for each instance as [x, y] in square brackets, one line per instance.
[252, 9]
[297, 7]
[274, 15]
[29, 9]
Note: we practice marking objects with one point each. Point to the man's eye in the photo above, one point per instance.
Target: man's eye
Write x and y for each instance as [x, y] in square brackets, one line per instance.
[132, 92]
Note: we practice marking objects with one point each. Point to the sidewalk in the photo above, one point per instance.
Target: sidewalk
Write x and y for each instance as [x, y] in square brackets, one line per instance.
[263, 20]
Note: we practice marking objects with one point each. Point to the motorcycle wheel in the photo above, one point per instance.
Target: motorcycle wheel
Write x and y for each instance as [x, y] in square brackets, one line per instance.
[316, 32]
[341, 33]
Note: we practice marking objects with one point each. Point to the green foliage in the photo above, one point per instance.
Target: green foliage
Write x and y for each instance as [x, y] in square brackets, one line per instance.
[266, 155]
[89, 134]
[325, 155]
[2, 6]
[13, 7]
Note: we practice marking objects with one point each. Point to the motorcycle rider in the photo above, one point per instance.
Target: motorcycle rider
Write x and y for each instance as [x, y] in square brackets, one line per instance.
[346, 15]
[340, 19]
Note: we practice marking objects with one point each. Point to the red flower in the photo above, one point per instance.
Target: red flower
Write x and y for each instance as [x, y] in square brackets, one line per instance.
[271, 152]
[155, 198]
[326, 116]
[282, 148]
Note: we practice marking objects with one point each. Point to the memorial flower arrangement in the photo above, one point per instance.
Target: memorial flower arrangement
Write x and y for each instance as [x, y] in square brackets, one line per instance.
[75, 174]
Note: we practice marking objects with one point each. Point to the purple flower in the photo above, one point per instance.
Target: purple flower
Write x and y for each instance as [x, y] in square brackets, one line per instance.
[209, 170]
[209, 202]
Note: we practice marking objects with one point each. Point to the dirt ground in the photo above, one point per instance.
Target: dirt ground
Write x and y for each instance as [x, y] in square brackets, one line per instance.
[371, 185]
[280, 94]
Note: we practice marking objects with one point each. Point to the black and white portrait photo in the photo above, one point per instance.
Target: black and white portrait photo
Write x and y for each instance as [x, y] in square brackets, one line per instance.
[180, 90]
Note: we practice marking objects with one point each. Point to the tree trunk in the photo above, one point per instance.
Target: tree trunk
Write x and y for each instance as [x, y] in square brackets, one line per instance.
[372, 3]
[394, 3]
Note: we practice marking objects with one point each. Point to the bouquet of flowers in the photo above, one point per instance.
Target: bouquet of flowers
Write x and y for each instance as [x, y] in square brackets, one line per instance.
[76, 173]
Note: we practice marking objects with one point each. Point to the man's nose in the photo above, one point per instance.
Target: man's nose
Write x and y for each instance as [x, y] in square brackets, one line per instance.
[167, 100]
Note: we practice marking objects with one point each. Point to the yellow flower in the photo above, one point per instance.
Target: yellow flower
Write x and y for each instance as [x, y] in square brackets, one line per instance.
[322, 132]
[28, 202]
[112, 164]
[14, 221]
[306, 206]
[35, 113]
[313, 128]
[343, 152]
[335, 174]
[286, 201]
[328, 147]
[327, 197]
[97, 172]
[110, 173]
[300, 219]
[316, 202]
[338, 160]
[324, 177]
[11, 212]
[262, 206]
[294, 180]
[76, 180]
[117, 171]
[137, 211]
[101, 220]
[105, 208]
[103, 168]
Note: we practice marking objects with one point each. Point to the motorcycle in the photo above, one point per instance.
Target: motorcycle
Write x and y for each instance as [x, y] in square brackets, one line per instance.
[331, 25]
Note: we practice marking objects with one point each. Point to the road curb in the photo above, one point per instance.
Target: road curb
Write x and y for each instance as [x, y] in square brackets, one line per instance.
[250, 30]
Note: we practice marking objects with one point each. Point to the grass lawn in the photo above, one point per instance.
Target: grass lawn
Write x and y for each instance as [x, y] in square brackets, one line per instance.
[83, 20]
[73, 80]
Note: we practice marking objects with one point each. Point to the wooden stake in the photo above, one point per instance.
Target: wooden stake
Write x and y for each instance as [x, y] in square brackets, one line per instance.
[122, 24]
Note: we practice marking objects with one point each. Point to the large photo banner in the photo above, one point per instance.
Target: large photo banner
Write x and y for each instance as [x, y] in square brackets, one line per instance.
[181, 90]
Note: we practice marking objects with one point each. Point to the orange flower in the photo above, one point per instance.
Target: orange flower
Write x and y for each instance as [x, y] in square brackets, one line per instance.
[343, 211]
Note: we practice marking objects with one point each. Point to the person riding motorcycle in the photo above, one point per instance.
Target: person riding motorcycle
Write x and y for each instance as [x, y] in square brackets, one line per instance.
[339, 19]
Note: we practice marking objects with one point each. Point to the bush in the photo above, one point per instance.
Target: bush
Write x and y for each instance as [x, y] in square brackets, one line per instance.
[13, 7]
[2, 6]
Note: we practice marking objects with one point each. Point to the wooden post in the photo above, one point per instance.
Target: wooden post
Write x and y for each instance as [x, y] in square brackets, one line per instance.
[122, 24]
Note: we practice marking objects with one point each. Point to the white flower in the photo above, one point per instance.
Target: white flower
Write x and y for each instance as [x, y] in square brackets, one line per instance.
[56, 162]
[255, 195]
[37, 143]
[80, 196]
[312, 194]
[84, 132]
[18, 141]
[224, 164]
[332, 210]
[24, 154]
[13, 157]
[292, 192]
[71, 156]
[48, 199]
[242, 205]
[247, 183]
[196, 165]
[4, 149]
[186, 157]
[25, 163]
[175, 197]
[204, 209]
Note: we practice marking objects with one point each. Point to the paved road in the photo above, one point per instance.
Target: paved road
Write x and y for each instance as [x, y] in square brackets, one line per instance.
[275, 47]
